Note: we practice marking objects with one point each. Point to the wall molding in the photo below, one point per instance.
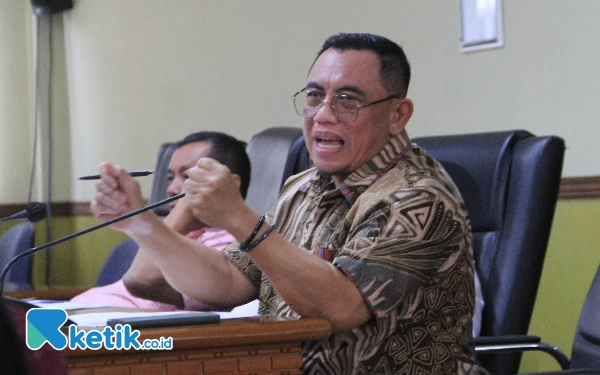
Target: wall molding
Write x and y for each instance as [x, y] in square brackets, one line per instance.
[570, 188]
[58, 209]
[579, 187]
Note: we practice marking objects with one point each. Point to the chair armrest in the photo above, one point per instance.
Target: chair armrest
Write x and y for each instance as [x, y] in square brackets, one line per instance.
[505, 339]
[518, 343]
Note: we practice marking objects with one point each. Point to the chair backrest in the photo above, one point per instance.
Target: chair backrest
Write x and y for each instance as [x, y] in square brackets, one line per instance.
[15, 241]
[586, 346]
[509, 182]
[117, 263]
[268, 152]
[160, 180]
[298, 159]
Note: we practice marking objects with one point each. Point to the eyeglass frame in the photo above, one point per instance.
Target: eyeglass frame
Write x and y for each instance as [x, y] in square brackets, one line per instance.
[358, 107]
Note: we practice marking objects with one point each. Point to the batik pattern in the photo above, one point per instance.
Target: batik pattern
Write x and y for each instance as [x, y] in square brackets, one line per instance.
[398, 229]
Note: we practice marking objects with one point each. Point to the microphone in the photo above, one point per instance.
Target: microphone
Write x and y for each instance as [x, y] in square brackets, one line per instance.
[34, 211]
[34, 250]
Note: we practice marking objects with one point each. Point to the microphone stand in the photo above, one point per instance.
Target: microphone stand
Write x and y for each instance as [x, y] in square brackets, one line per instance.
[34, 250]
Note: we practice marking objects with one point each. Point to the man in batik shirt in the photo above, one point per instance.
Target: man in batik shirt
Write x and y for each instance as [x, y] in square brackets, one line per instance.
[402, 236]
[375, 238]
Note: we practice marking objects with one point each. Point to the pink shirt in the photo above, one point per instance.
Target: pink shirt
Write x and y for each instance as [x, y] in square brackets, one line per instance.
[117, 295]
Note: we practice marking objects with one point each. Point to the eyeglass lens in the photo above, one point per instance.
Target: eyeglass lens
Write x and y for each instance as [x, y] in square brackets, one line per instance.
[344, 108]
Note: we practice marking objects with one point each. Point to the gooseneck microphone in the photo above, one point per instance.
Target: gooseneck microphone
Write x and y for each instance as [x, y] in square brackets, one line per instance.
[34, 250]
[34, 211]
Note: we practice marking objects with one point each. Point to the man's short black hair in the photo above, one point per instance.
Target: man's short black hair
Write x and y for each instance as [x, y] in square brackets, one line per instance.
[226, 150]
[394, 69]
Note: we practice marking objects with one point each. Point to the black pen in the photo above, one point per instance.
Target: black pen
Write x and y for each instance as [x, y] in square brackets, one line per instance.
[132, 173]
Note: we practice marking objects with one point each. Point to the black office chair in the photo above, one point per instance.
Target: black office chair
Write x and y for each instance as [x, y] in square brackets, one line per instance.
[117, 263]
[15, 241]
[269, 151]
[509, 182]
[160, 180]
[585, 354]
[298, 159]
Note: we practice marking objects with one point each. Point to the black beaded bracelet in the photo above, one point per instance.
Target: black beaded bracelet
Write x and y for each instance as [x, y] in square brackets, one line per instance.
[244, 246]
[259, 240]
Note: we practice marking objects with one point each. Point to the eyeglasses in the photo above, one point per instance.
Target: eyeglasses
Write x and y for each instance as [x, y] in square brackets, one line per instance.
[343, 106]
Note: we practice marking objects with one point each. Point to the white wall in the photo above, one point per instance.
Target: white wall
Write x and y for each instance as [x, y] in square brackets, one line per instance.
[15, 137]
[140, 72]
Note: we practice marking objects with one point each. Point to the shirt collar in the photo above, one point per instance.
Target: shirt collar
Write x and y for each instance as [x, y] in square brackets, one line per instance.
[359, 180]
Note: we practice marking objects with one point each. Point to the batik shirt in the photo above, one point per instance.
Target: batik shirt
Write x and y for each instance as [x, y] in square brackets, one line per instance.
[398, 229]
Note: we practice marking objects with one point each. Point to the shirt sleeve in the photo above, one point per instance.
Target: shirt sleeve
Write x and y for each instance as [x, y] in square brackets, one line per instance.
[244, 263]
[401, 246]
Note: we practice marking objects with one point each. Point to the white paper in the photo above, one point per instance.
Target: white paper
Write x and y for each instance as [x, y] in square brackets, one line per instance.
[243, 311]
[99, 319]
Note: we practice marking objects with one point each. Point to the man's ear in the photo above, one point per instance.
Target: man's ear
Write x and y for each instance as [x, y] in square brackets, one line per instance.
[238, 180]
[402, 111]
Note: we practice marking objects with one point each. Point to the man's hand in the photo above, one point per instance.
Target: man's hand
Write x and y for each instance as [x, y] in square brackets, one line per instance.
[212, 193]
[182, 219]
[117, 193]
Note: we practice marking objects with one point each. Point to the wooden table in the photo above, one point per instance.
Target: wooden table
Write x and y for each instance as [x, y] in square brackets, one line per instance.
[261, 345]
